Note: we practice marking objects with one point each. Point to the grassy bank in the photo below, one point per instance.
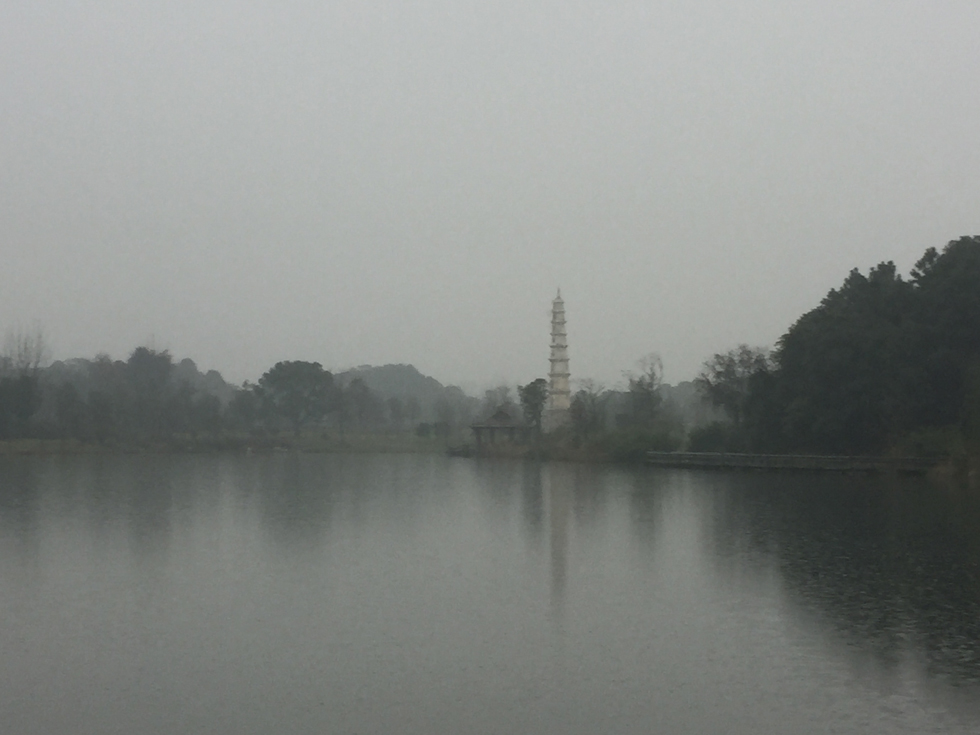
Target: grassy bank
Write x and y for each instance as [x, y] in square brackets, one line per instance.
[308, 442]
[961, 468]
[624, 446]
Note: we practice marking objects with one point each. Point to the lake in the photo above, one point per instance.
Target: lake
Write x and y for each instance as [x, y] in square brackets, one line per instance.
[423, 594]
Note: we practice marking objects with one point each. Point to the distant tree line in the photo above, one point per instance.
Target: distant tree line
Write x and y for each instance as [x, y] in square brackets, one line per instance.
[150, 398]
[144, 397]
[298, 395]
[884, 363]
[619, 423]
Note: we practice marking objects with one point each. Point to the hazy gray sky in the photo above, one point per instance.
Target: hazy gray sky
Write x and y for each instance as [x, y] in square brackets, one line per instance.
[371, 182]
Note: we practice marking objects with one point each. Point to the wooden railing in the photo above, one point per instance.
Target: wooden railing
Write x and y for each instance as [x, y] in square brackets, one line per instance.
[809, 462]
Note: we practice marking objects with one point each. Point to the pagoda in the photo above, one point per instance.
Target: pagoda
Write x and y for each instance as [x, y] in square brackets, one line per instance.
[557, 411]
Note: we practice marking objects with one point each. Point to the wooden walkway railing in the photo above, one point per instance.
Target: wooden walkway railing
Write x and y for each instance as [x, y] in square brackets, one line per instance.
[807, 462]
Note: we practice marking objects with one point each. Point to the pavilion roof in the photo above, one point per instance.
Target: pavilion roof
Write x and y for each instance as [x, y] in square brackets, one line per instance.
[501, 418]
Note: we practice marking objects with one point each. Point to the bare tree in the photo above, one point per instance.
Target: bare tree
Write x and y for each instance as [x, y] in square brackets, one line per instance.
[20, 393]
[24, 351]
[589, 407]
[644, 389]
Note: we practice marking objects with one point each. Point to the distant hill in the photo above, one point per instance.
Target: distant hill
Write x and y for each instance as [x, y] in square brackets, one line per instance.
[437, 401]
[391, 381]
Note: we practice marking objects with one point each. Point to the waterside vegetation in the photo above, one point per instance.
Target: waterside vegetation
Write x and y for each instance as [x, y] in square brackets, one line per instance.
[884, 365]
[149, 402]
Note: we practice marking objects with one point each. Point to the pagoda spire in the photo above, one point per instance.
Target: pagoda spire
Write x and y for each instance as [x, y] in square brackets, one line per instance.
[559, 393]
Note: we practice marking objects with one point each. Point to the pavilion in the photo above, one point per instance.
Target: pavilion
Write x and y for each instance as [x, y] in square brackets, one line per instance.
[502, 427]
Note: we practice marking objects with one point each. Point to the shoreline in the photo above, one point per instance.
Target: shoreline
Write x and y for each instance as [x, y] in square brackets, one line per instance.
[960, 470]
[359, 444]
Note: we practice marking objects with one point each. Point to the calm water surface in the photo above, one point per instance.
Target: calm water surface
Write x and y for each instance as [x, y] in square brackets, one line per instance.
[407, 594]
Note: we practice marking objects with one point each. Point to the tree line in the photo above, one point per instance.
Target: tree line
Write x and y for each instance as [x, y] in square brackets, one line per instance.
[620, 423]
[150, 398]
[883, 363]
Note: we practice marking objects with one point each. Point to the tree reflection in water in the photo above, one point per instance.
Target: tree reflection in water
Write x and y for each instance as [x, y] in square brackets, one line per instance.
[891, 565]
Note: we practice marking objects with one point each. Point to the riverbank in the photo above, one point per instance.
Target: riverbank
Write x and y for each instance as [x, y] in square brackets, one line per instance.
[307, 444]
[556, 453]
[962, 469]
[800, 462]
[312, 443]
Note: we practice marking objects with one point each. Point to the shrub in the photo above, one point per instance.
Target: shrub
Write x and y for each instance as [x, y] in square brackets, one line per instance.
[717, 436]
[630, 444]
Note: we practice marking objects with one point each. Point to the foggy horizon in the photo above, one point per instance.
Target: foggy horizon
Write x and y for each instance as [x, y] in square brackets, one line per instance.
[244, 183]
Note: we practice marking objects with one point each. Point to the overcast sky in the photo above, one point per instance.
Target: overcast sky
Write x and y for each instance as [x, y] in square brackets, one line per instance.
[371, 182]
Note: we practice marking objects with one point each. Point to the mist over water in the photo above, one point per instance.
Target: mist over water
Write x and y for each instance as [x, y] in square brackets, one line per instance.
[418, 594]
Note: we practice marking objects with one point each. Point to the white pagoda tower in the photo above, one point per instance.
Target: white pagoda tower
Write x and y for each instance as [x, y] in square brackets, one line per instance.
[559, 395]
